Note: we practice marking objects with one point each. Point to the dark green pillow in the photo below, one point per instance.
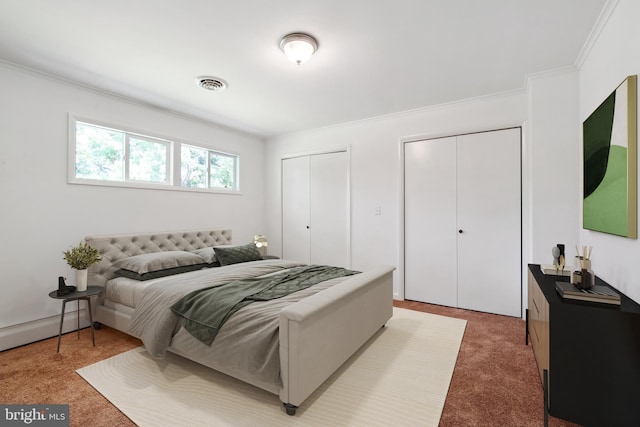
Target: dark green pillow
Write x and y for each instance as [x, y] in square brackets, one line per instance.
[159, 273]
[228, 255]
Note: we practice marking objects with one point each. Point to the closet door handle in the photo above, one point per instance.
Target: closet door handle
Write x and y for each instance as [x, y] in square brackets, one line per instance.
[460, 231]
[307, 227]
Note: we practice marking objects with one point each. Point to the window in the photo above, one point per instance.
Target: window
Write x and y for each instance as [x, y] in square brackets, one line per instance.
[148, 160]
[202, 168]
[107, 156]
[113, 155]
[99, 153]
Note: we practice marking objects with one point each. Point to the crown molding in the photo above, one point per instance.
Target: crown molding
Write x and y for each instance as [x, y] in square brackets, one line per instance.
[530, 78]
[597, 29]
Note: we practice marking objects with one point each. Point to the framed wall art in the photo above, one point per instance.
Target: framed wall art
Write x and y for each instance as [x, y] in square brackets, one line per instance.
[610, 163]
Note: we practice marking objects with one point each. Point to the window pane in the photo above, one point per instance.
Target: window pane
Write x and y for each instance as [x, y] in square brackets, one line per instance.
[99, 153]
[222, 171]
[193, 170]
[147, 160]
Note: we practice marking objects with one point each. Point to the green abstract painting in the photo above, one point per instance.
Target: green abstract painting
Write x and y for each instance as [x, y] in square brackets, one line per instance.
[610, 165]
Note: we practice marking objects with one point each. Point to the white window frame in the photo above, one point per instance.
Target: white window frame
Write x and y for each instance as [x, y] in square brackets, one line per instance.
[236, 167]
[127, 164]
[173, 182]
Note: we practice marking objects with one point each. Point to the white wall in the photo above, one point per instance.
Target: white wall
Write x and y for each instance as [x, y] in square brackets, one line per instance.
[613, 57]
[42, 214]
[553, 149]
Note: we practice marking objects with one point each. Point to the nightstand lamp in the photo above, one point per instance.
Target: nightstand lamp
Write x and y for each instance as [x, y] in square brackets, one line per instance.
[261, 243]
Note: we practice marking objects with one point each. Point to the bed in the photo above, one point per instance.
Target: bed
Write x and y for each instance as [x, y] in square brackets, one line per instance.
[305, 336]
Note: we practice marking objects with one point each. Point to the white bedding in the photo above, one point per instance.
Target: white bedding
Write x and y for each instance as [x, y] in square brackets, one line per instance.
[125, 291]
[129, 292]
[248, 342]
[119, 308]
[252, 327]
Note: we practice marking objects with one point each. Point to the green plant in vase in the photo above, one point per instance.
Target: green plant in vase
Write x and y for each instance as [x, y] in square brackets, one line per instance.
[80, 258]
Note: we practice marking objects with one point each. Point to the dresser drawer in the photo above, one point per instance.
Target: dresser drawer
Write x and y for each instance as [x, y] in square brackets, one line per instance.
[538, 319]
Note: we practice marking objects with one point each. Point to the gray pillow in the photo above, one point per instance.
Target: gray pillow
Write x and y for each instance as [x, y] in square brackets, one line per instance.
[158, 264]
[235, 254]
[209, 256]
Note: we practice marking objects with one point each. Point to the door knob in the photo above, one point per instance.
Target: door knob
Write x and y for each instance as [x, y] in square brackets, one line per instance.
[460, 231]
[307, 227]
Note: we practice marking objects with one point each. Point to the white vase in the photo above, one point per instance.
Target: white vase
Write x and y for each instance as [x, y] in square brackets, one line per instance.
[81, 280]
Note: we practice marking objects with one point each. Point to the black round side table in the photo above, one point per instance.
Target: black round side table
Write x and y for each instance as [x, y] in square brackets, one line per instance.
[77, 296]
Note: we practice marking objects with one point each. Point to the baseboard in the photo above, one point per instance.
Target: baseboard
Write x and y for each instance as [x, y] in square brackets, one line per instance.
[36, 330]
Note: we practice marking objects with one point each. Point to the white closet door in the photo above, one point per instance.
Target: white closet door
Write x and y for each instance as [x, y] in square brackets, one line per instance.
[489, 212]
[329, 211]
[295, 209]
[430, 221]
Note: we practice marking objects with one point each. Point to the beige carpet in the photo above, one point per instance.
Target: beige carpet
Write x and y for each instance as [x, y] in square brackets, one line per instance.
[400, 377]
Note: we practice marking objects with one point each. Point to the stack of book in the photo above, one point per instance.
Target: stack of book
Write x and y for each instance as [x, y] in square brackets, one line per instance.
[598, 293]
[551, 269]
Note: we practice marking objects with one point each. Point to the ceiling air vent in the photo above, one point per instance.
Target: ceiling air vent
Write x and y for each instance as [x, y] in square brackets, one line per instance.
[211, 83]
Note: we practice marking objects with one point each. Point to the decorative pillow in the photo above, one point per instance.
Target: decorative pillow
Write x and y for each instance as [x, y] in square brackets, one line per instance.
[209, 256]
[158, 264]
[235, 254]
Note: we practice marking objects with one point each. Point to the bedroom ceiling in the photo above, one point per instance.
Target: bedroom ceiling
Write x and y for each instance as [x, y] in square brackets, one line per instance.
[374, 57]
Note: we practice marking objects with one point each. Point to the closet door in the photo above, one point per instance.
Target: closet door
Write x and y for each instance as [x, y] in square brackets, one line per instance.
[295, 209]
[430, 221]
[489, 216]
[463, 222]
[329, 213]
[315, 209]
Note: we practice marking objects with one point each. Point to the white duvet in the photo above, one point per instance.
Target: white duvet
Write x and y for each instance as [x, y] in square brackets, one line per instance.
[247, 343]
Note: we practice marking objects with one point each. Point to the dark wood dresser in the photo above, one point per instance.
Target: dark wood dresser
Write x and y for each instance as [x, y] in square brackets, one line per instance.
[590, 352]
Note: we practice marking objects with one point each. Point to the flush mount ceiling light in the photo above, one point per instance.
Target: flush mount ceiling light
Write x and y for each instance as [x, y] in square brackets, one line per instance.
[298, 47]
[211, 83]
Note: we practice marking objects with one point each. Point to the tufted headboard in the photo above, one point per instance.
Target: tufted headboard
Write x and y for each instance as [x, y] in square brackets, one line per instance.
[115, 247]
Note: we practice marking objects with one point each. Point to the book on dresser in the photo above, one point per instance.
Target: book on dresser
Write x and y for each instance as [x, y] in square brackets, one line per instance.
[598, 293]
[551, 269]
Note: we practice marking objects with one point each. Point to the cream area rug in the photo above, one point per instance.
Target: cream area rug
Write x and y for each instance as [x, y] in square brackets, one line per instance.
[399, 377]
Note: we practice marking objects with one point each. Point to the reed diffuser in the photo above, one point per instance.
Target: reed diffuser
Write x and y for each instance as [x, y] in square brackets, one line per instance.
[582, 276]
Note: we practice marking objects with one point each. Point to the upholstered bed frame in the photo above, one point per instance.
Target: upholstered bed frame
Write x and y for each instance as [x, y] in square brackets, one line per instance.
[115, 247]
[317, 334]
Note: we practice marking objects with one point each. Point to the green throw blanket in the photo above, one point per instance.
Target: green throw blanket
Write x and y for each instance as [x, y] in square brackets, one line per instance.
[204, 311]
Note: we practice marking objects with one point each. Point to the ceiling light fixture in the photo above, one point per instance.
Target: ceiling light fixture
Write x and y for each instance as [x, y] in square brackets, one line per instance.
[298, 47]
[211, 83]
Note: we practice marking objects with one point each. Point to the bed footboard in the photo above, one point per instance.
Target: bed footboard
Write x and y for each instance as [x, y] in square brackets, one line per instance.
[319, 333]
